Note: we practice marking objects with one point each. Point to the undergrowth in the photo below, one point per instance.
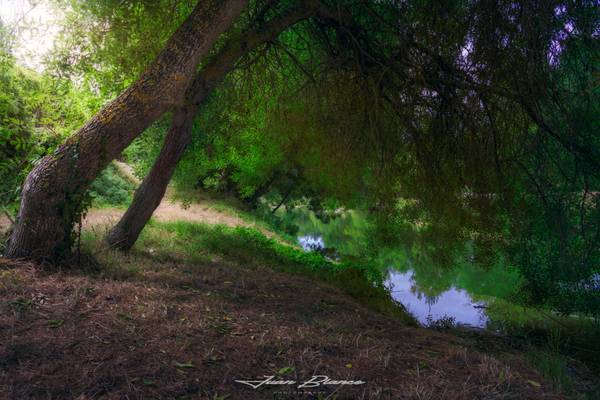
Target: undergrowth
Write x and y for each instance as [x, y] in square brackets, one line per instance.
[545, 341]
[246, 247]
[249, 247]
[111, 189]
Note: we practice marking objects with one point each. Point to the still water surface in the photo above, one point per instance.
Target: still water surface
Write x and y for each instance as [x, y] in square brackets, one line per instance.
[453, 302]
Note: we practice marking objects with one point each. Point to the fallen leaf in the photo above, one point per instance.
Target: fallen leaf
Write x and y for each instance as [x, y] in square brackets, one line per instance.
[285, 370]
[188, 364]
[56, 323]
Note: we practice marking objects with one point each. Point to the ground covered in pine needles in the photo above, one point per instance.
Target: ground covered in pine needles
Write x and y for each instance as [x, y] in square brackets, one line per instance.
[164, 328]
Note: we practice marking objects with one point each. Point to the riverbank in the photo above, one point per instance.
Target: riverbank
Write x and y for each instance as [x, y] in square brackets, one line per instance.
[201, 304]
[172, 329]
[193, 309]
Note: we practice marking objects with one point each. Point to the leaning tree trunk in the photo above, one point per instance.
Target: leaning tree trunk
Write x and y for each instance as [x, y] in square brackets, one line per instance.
[54, 190]
[151, 191]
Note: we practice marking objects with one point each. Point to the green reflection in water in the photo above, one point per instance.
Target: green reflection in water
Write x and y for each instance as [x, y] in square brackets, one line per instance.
[348, 234]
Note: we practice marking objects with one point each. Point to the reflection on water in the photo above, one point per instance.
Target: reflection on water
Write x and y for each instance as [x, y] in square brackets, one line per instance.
[343, 235]
[452, 303]
[311, 243]
[455, 303]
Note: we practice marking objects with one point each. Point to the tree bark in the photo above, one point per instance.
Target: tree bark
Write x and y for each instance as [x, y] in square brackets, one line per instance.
[54, 190]
[150, 193]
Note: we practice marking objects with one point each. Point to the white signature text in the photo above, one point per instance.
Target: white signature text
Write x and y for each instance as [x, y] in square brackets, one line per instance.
[315, 381]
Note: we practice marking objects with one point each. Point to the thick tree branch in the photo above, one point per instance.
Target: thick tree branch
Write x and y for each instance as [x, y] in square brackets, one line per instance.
[151, 191]
[55, 189]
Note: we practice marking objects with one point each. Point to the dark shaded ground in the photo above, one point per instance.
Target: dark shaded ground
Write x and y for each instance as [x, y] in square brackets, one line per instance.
[189, 331]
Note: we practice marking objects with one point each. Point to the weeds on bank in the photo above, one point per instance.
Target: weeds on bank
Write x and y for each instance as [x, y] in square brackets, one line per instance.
[553, 366]
[192, 243]
[555, 345]
[246, 247]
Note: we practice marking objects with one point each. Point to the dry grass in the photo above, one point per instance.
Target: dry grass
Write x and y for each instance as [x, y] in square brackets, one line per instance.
[173, 330]
[170, 210]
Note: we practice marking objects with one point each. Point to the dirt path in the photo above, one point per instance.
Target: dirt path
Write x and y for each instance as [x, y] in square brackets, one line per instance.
[169, 210]
[127, 172]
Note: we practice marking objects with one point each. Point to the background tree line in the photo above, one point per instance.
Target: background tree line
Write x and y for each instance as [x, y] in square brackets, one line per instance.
[447, 121]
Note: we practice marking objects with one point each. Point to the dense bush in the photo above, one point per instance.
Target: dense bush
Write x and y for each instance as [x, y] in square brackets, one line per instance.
[16, 125]
[111, 188]
[37, 112]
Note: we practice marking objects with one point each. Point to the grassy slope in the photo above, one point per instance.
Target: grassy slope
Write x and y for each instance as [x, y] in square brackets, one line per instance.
[194, 308]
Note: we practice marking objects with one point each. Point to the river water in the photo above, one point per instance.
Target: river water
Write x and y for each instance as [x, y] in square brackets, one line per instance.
[454, 303]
